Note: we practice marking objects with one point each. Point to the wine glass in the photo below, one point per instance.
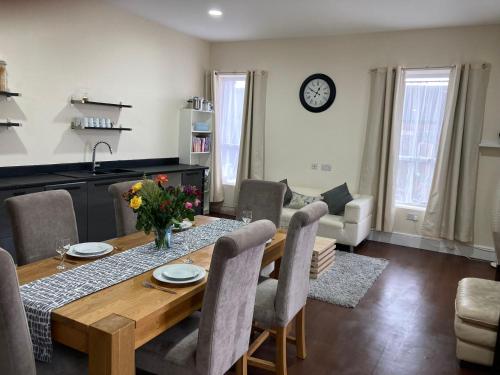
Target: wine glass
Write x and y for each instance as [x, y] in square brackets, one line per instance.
[246, 216]
[62, 247]
[186, 248]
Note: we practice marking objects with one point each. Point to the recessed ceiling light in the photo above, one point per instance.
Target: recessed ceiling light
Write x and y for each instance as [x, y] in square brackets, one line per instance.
[215, 12]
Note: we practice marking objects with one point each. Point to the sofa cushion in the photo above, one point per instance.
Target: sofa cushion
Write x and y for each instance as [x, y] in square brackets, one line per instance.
[288, 193]
[478, 302]
[475, 334]
[300, 200]
[328, 220]
[337, 198]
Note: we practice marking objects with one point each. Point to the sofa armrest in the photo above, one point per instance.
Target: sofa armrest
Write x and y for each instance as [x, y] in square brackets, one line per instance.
[358, 209]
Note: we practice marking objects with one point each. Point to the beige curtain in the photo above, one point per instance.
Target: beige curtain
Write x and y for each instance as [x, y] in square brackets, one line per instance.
[450, 210]
[251, 158]
[216, 190]
[382, 144]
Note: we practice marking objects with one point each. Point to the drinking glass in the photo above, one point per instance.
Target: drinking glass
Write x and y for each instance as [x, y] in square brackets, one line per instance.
[186, 247]
[246, 216]
[62, 247]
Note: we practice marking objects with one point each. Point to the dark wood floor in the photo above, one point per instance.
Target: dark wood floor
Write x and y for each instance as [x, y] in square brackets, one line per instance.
[403, 325]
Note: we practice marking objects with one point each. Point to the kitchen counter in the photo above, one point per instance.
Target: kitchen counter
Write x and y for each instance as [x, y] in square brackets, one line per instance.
[33, 176]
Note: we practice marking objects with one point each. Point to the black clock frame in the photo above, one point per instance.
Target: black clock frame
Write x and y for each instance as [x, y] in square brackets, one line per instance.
[329, 102]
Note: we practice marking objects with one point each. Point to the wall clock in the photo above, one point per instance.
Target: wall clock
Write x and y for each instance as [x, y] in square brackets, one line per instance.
[317, 92]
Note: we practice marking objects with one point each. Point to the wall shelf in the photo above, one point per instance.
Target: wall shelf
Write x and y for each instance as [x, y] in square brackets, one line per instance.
[9, 124]
[90, 102]
[9, 94]
[202, 131]
[200, 152]
[111, 129]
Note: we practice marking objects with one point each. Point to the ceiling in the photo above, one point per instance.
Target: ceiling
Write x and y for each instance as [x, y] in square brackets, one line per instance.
[266, 19]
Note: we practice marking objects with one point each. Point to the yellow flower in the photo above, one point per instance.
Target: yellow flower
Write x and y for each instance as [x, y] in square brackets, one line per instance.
[137, 186]
[135, 202]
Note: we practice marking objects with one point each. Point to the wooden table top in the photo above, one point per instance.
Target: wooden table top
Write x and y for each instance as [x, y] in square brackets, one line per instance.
[130, 298]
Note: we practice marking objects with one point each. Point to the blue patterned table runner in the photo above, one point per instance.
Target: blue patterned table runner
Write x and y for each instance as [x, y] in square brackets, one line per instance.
[42, 296]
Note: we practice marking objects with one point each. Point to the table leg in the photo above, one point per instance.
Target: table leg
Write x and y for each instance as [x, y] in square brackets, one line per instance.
[111, 346]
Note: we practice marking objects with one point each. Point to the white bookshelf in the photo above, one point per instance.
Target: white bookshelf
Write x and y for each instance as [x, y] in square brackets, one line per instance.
[187, 155]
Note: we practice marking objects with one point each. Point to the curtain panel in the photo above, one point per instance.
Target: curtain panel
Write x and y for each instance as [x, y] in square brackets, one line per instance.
[450, 209]
[382, 144]
[252, 144]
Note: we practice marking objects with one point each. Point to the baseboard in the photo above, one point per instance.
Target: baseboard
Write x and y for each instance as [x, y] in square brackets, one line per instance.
[437, 245]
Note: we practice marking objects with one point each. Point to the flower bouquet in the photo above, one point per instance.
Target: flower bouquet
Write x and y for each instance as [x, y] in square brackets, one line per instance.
[159, 206]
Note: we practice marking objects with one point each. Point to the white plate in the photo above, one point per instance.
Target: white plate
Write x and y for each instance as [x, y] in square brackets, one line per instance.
[158, 275]
[89, 249]
[180, 272]
[186, 224]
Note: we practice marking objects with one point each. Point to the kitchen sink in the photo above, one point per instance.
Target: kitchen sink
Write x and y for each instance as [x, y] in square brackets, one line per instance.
[98, 172]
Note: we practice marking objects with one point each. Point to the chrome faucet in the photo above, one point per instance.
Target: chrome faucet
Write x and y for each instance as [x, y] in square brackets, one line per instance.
[94, 164]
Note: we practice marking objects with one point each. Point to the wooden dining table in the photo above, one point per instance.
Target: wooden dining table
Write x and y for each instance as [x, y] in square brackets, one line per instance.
[111, 323]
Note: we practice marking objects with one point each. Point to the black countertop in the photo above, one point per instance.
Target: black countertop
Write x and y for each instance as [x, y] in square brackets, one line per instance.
[34, 176]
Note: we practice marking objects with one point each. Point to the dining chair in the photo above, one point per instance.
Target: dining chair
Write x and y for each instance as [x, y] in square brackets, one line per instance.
[263, 198]
[125, 217]
[38, 220]
[212, 341]
[16, 354]
[278, 302]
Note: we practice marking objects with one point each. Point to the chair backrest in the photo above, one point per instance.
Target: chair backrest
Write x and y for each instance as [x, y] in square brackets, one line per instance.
[16, 354]
[227, 312]
[38, 220]
[495, 221]
[125, 217]
[263, 198]
[293, 282]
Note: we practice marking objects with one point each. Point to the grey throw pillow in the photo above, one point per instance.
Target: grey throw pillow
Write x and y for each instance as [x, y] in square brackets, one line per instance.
[337, 198]
[300, 200]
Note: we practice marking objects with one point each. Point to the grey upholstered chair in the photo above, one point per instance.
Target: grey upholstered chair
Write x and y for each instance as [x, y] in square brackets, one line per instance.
[278, 302]
[495, 227]
[210, 342]
[263, 198]
[16, 354]
[38, 220]
[125, 217]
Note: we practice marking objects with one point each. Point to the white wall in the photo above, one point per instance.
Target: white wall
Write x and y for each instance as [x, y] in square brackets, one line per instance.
[296, 138]
[58, 48]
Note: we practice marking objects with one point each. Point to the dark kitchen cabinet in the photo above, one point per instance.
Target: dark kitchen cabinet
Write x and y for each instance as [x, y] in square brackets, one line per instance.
[101, 224]
[195, 178]
[78, 191]
[6, 240]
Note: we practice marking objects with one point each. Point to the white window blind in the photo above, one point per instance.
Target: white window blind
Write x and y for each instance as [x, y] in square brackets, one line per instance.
[424, 105]
[231, 99]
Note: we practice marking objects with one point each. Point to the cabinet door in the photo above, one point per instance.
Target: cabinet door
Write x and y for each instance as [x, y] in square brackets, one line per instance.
[6, 240]
[195, 178]
[101, 224]
[78, 192]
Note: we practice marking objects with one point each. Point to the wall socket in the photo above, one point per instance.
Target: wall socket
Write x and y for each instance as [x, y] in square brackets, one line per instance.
[315, 166]
[326, 167]
[412, 217]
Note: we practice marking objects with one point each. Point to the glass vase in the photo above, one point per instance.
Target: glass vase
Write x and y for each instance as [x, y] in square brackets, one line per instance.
[163, 238]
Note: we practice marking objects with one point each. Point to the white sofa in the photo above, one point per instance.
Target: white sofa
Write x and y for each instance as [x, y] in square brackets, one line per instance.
[350, 229]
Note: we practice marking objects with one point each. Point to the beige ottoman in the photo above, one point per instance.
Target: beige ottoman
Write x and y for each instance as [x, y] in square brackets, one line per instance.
[477, 311]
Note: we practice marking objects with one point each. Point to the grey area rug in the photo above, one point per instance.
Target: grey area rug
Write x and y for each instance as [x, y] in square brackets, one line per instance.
[348, 280]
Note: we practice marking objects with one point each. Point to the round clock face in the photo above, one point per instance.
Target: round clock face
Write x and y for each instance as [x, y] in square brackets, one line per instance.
[317, 92]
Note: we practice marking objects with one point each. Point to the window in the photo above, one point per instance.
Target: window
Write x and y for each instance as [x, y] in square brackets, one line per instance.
[424, 105]
[231, 91]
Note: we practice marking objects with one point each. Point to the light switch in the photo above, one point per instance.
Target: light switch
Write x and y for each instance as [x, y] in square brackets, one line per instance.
[326, 167]
[314, 166]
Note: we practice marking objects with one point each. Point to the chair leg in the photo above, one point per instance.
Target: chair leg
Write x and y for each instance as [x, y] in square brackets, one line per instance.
[300, 333]
[281, 333]
[242, 365]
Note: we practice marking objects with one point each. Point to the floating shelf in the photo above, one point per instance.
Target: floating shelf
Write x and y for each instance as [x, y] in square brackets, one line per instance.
[9, 124]
[202, 131]
[9, 94]
[86, 101]
[200, 152]
[90, 128]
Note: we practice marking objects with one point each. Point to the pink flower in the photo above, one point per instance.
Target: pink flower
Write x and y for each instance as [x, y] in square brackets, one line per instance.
[188, 205]
[197, 202]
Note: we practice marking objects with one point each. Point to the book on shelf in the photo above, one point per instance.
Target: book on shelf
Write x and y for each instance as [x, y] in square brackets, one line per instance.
[200, 143]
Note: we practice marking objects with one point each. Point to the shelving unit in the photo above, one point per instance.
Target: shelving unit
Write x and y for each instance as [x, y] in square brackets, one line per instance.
[8, 94]
[188, 118]
[90, 102]
[489, 144]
